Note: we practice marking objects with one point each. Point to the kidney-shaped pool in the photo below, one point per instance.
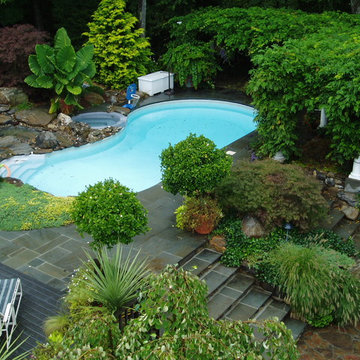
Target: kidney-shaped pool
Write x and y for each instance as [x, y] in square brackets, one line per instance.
[132, 155]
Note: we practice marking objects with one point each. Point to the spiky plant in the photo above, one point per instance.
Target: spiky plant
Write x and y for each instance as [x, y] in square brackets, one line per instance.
[115, 281]
[8, 352]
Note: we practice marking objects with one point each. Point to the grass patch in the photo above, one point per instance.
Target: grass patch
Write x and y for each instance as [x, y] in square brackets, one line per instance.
[26, 208]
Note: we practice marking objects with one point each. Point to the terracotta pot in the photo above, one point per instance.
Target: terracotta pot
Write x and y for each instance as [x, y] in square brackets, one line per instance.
[206, 227]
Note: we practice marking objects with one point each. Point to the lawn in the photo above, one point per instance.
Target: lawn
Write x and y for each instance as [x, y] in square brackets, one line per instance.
[26, 208]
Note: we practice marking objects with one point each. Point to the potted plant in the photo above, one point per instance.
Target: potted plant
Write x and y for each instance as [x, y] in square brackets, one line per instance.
[200, 214]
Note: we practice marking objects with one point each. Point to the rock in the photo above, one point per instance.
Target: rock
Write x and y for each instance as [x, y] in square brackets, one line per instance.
[4, 108]
[252, 227]
[5, 119]
[64, 119]
[350, 198]
[13, 181]
[7, 141]
[350, 212]
[218, 243]
[46, 140]
[21, 149]
[121, 110]
[12, 96]
[93, 98]
[64, 140]
[338, 182]
[320, 176]
[330, 181]
[35, 117]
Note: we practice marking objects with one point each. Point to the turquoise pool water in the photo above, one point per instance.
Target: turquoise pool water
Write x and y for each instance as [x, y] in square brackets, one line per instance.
[132, 156]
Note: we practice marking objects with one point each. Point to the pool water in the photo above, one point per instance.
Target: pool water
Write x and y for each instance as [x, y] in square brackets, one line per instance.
[132, 155]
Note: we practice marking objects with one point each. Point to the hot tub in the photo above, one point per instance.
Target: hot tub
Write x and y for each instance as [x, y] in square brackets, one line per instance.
[100, 120]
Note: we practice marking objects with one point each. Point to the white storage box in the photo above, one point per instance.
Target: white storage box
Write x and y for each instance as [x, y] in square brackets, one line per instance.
[156, 82]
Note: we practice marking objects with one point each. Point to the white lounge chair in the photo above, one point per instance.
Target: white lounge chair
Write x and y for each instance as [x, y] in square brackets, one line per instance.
[10, 298]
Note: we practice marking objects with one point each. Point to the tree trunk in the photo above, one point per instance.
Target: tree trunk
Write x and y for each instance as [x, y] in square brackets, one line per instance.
[143, 16]
[355, 6]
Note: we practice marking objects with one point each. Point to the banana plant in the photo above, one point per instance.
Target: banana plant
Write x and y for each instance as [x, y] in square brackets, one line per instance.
[62, 69]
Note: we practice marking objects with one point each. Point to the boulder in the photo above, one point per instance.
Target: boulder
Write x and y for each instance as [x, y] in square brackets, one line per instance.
[64, 119]
[350, 212]
[218, 243]
[4, 108]
[349, 197]
[35, 117]
[120, 109]
[330, 181]
[252, 227]
[64, 140]
[21, 149]
[5, 119]
[7, 141]
[46, 140]
[93, 98]
[12, 96]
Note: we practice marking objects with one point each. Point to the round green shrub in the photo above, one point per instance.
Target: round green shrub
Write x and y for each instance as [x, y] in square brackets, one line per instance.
[110, 213]
[193, 166]
[274, 193]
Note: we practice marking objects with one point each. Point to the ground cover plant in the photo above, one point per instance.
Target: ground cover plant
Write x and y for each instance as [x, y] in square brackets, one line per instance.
[275, 194]
[110, 213]
[26, 208]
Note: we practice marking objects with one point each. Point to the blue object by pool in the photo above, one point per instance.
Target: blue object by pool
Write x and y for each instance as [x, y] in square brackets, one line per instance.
[132, 156]
[100, 120]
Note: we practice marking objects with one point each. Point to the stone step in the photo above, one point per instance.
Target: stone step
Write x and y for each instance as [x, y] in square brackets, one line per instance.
[228, 295]
[249, 304]
[272, 309]
[346, 228]
[297, 327]
[332, 219]
[217, 276]
[201, 261]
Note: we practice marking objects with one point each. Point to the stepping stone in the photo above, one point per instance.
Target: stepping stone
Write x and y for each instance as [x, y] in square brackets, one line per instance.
[297, 327]
[219, 304]
[255, 297]
[217, 276]
[241, 312]
[201, 261]
[332, 219]
[346, 228]
[273, 309]
[240, 282]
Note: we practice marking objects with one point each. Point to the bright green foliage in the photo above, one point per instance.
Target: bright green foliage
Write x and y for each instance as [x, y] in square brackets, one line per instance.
[62, 69]
[197, 210]
[193, 166]
[121, 53]
[275, 193]
[114, 281]
[317, 282]
[175, 305]
[110, 213]
[317, 71]
[26, 208]
[191, 62]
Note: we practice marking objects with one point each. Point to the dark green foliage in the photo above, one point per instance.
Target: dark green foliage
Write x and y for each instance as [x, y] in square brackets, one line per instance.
[62, 69]
[317, 282]
[193, 166]
[321, 321]
[74, 16]
[121, 53]
[275, 193]
[110, 212]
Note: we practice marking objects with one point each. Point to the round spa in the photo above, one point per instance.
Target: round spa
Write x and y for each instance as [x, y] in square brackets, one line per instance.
[100, 120]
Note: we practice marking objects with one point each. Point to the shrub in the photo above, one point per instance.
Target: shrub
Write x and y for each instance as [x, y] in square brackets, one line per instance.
[317, 282]
[196, 211]
[193, 166]
[16, 44]
[274, 193]
[122, 54]
[110, 213]
[62, 69]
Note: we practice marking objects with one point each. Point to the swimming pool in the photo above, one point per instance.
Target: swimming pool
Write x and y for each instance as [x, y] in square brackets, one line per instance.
[132, 155]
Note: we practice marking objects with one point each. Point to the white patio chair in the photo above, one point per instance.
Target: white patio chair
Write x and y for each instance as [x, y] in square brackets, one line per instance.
[10, 298]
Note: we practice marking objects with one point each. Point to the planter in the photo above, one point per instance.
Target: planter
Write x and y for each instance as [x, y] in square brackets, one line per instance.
[206, 227]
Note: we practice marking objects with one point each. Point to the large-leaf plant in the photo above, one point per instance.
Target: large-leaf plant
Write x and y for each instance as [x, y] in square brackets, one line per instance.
[62, 69]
